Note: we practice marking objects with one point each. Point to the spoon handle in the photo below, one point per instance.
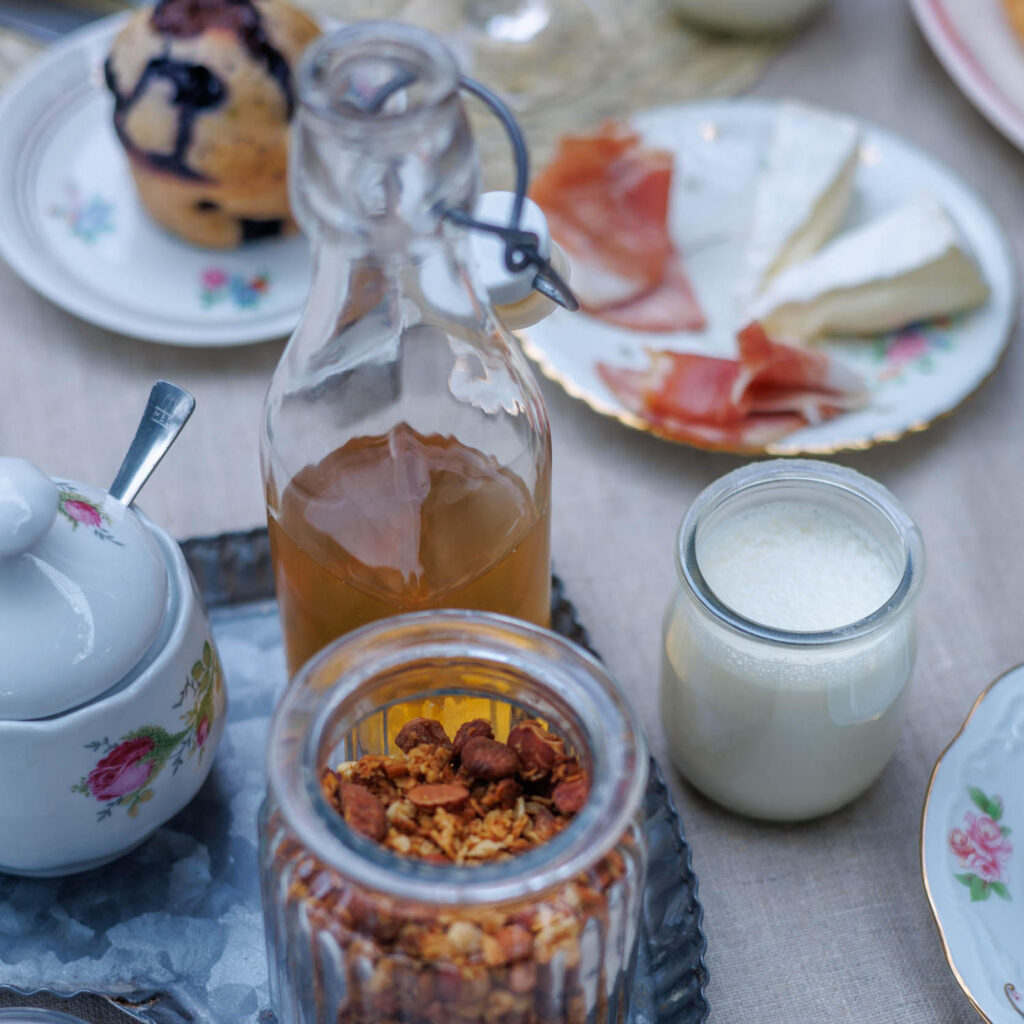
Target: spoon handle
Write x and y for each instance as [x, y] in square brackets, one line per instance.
[167, 411]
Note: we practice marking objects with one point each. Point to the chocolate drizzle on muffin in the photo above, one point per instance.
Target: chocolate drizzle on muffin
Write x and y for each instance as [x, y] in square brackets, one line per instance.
[196, 90]
[183, 19]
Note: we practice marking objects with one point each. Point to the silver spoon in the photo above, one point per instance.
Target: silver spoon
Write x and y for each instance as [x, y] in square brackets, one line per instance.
[167, 411]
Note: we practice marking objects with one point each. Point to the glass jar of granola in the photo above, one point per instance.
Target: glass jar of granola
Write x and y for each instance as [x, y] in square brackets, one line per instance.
[453, 868]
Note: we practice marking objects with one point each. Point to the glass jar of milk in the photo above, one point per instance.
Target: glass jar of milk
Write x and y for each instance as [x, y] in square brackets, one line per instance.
[790, 641]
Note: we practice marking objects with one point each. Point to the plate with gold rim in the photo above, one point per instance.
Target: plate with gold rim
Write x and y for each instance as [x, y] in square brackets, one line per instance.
[915, 375]
[72, 227]
[972, 851]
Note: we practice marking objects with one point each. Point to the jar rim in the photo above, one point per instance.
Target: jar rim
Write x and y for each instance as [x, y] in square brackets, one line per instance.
[827, 477]
[572, 676]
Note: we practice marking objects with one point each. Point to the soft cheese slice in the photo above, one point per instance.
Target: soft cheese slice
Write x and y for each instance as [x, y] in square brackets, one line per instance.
[907, 265]
[804, 191]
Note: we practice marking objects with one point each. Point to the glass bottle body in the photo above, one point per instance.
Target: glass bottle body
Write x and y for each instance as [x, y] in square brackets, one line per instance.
[406, 452]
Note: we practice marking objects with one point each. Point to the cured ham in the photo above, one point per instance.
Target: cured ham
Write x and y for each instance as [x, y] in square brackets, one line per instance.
[606, 197]
[769, 391]
[669, 306]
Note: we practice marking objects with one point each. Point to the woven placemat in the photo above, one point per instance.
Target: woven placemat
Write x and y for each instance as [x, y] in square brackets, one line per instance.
[651, 57]
[645, 56]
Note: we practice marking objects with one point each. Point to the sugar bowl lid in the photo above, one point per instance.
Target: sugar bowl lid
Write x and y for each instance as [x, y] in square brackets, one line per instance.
[83, 591]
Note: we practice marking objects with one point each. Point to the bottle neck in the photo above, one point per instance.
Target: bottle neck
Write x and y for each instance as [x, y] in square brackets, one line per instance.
[381, 146]
[363, 298]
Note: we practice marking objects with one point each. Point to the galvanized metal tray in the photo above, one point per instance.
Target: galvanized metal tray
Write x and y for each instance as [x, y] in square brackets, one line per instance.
[173, 932]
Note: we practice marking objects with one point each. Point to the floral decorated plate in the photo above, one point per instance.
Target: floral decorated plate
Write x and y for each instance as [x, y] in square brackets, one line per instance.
[916, 375]
[72, 226]
[976, 45]
[972, 851]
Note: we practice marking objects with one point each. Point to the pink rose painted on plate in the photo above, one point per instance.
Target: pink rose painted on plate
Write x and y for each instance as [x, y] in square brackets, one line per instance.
[982, 847]
[214, 279]
[217, 285]
[960, 843]
[913, 347]
[907, 347]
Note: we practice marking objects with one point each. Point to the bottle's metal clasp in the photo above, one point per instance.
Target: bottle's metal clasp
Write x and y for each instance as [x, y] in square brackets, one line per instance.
[522, 248]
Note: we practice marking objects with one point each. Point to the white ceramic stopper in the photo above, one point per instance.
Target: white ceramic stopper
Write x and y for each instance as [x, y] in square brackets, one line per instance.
[504, 286]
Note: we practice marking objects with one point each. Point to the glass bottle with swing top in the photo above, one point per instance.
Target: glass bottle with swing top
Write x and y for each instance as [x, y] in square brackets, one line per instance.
[405, 449]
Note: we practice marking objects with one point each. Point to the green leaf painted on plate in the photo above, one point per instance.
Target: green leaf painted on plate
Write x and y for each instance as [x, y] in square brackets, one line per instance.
[964, 879]
[979, 890]
[1000, 890]
[993, 808]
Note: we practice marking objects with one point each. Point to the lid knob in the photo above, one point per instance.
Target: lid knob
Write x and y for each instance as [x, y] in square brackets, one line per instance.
[28, 506]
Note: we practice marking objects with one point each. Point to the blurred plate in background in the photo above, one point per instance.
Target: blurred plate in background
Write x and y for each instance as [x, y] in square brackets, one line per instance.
[50, 19]
[73, 228]
[976, 44]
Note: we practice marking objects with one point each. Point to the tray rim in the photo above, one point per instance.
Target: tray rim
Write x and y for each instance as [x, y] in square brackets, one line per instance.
[241, 560]
[236, 548]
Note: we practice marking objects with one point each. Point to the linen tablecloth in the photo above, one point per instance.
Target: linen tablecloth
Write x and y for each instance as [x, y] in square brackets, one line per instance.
[826, 921]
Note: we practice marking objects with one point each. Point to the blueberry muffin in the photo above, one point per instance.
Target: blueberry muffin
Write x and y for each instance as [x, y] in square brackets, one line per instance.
[203, 96]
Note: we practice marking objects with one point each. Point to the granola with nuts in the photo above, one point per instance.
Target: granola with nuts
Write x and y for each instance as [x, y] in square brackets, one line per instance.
[461, 800]
[465, 801]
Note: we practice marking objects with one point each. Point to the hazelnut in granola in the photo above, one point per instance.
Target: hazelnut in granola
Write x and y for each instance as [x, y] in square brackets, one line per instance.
[466, 801]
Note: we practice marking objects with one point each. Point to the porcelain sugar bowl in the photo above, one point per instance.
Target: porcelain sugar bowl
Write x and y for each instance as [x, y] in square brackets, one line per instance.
[112, 701]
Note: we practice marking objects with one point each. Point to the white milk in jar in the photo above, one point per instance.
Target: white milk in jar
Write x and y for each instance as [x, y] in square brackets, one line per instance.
[790, 642]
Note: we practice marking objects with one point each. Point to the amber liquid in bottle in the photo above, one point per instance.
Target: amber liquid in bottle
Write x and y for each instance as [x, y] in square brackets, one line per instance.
[404, 522]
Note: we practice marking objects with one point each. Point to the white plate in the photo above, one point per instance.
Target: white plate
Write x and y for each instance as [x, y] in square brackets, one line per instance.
[975, 43]
[916, 375]
[972, 851]
[72, 226]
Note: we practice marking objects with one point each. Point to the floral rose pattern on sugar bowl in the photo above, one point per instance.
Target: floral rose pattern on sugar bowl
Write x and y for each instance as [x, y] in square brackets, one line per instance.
[80, 511]
[216, 285]
[87, 218]
[124, 776]
[982, 848]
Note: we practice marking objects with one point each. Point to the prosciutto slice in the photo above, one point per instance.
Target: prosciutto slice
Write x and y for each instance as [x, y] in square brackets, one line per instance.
[769, 391]
[606, 197]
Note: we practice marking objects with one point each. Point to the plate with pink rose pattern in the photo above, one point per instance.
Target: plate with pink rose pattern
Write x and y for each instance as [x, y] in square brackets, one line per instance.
[72, 226]
[972, 851]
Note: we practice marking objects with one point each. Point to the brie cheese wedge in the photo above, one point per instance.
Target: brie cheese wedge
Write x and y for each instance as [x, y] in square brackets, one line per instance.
[804, 191]
[908, 265]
